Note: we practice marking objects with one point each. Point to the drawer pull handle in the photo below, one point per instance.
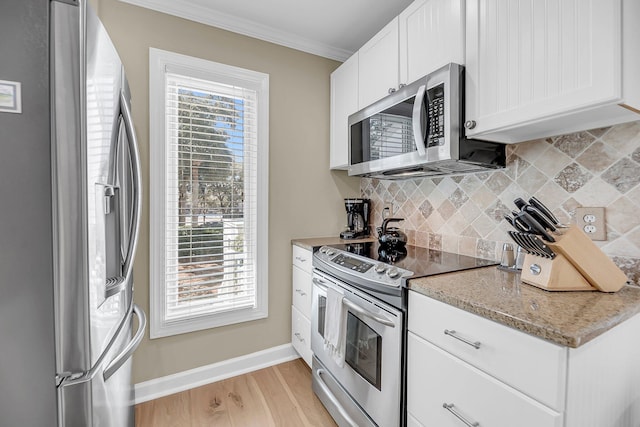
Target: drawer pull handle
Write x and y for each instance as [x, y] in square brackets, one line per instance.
[453, 334]
[301, 292]
[450, 407]
[297, 335]
[301, 259]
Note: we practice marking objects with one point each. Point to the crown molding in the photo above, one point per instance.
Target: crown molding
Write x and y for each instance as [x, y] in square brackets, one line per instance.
[204, 15]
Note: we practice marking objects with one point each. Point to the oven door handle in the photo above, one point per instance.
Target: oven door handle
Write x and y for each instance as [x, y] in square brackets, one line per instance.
[327, 391]
[356, 308]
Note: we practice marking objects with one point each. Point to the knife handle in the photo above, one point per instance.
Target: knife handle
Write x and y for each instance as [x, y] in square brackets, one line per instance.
[535, 227]
[540, 206]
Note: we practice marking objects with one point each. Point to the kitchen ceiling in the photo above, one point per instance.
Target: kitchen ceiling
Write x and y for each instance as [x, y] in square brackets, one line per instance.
[331, 28]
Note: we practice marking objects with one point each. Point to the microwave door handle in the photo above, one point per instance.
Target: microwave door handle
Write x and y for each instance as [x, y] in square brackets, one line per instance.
[418, 132]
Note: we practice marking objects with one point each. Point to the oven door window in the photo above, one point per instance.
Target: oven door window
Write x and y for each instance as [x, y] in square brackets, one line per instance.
[364, 350]
[322, 309]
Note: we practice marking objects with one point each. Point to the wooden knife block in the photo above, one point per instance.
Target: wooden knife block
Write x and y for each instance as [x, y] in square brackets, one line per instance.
[556, 274]
[594, 265]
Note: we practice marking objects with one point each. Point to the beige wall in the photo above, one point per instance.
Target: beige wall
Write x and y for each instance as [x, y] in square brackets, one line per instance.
[305, 199]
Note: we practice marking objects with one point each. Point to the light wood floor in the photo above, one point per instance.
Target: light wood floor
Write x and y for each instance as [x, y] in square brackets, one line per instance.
[277, 396]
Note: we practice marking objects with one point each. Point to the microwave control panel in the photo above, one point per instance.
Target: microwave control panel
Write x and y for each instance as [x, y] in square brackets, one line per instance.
[436, 115]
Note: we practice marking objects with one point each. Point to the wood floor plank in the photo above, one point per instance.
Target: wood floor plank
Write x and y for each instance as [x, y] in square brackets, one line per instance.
[298, 377]
[278, 396]
[168, 411]
[209, 406]
[282, 408]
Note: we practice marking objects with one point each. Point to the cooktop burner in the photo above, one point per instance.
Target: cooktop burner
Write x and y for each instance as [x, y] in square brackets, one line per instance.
[420, 261]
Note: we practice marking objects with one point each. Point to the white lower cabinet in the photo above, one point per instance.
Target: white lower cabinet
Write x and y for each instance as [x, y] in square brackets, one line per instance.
[464, 369]
[301, 334]
[459, 390]
[301, 302]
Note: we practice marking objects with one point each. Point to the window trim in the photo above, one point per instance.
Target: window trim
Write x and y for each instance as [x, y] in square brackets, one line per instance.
[159, 62]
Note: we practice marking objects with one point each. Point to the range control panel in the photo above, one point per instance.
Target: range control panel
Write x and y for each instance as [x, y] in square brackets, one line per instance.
[362, 268]
[352, 263]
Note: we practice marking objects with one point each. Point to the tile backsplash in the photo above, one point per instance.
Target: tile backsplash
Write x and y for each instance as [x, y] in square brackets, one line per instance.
[464, 213]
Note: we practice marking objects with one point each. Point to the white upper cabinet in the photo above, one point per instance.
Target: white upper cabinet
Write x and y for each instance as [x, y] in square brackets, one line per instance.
[540, 68]
[378, 65]
[425, 36]
[344, 102]
[431, 35]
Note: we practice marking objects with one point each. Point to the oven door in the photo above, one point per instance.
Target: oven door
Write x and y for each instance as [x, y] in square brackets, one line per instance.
[371, 373]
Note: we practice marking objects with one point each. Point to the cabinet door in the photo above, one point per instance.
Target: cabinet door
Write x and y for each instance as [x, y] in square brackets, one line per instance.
[501, 351]
[435, 379]
[301, 335]
[378, 65]
[344, 102]
[528, 60]
[301, 297]
[431, 35]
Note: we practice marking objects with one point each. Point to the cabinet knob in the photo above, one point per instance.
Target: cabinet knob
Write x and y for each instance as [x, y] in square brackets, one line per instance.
[470, 124]
[402, 85]
[392, 89]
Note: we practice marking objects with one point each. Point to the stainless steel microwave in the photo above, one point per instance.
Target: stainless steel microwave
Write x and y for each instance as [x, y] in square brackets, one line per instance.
[417, 131]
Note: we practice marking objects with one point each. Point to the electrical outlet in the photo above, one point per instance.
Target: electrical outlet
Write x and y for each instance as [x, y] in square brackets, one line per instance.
[387, 210]
[592, 222]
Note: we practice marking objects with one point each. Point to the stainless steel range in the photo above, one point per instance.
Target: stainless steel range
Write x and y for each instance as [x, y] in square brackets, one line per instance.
[359, 374]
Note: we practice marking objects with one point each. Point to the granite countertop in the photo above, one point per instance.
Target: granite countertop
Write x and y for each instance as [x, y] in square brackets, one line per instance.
[316, 242]
[566, 318]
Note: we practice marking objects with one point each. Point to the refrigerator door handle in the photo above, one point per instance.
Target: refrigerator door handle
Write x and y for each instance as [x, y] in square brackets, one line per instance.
[127, 352]
[116, 286]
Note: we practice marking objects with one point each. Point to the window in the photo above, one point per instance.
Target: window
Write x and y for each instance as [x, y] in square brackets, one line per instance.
[208, 191]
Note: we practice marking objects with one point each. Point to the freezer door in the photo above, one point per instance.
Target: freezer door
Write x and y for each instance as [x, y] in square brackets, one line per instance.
[108, 383]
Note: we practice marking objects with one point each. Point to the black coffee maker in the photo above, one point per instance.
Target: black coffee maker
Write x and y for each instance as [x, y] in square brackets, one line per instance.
[357, 218]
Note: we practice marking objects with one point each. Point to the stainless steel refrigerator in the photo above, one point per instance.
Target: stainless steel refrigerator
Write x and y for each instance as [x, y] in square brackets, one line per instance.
[70, 205]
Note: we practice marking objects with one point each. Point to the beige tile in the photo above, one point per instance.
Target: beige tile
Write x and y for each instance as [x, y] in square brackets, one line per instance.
[598, 157]
[532, 150]
[450, 243]
[470, 211]
[622, 215]
[484, 225]
[634, 238]
[483, 197]
[447, 186]
[624, 138]
[597, 193]
[467, 246]
[553, 162]
[426, 187]
[532, 179]
[498, 182]
[622, 247]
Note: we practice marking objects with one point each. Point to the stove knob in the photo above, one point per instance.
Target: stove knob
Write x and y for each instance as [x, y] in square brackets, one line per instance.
[330, 252]
[393, 272]
[381, 268]
[323, 250]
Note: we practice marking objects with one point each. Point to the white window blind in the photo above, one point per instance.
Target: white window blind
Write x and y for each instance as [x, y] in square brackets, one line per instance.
[211, 257]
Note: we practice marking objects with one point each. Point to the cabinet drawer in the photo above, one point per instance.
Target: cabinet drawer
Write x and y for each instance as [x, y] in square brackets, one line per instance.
[302, 258]
[533, 366]
[302, 291]
[301, 335]
[436, 378]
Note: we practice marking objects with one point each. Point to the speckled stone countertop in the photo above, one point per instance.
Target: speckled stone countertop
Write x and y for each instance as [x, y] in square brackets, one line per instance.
[566, 318]
[316, 242]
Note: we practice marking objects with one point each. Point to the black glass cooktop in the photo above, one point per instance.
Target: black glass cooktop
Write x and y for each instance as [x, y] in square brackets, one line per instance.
[420, 261]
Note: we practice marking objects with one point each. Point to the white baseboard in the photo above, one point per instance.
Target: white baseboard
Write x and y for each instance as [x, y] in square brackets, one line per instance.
[164, 386]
